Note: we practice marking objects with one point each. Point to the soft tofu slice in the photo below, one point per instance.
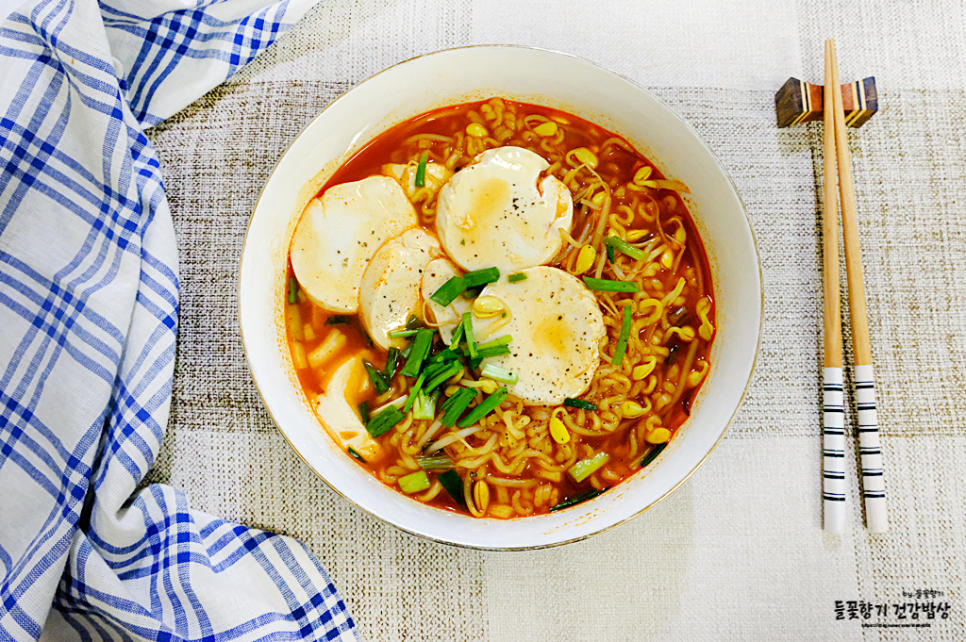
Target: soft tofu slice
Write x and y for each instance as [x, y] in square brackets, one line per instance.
[556, 326]
[437, 273]
[494, 212]
[338, 235]
[436, 176]
[340, 418]
[390, 289]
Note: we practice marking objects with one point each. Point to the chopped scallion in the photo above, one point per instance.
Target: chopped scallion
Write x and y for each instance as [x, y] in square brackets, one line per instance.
[364, 412]
[415, 390]
[610, 254]
[384, 421]
[587, 467]
[436, 462]
[398, 334]
[516, 278]
[338, 319]
[497, 373]
[425, 406]
[378, 382]
[392, 363]
[502, 341]
[414, 482]
[450, 370]
[468, 333]
[651, 456]
[455, 405]
[604, 285]
[622, 339]
[413, 323]
[486, 407]
[482, 353]
[421, 171]
[454, 486]
[457, 337]
[420, 348]
[355, 455]
[472, 293]
[576, 499]
[622, 246]
[293, 289]
[579, 403]
[481, 277]
[448, 292]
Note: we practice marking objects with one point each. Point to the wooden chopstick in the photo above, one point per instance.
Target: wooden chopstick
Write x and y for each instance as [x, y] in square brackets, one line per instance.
[833, 408]
[873, 484]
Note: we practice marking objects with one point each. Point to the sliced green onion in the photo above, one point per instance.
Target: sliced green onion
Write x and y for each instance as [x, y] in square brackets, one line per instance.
[486, 406]
[425, 406]
[448, 292]
[414, 482]
[421, 171]
[481, 354]
[378, 382]
[398, 334]
[293, 289]
[516, 278]
[436, 462]
[443, 356]
[576, 499]
[604, 285]
[457, 337]
[384, 421]
[481, 277]
[497, 373]
[622, 339]
[454, 486]
[579, 403]
[587, 467]
[622, 246]
[355, 455]
[392, 363]
[367, 339]
[455, 405]
[468, 333]
[420, 348]
[451, 370]
[364, 412]
[610, 254]
[413, 323]
[338, 319]
[417, 387]
[502, 341]
[472, 293]
[651, 456]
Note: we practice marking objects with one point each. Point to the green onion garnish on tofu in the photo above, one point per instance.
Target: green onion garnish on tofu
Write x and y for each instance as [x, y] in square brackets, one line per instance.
[622, 339]
[579, 403]
[453, 485]
[364, 412]
[501, 341]
[421, 171]
[587, 467]
[414, 482]
[448, 292]
[483, 353]
[605, 285]
[449, 370]
[434, 462]
[457, 338]
[378, 382]
[622, 246]
[384, 421]
[468, 333]
[420, 348]
[517, 277]
[455, 405]
[497, 373]
[576, 499]
[488, 405]
[338, 319]
[293, 289]
[355, 455]
[477, 278]
[398, 334]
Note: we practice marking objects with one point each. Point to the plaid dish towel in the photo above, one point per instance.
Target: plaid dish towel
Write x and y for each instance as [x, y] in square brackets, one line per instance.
[88, 314]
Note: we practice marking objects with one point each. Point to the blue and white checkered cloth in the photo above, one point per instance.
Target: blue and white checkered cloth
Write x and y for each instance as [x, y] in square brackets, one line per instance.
[88, 315]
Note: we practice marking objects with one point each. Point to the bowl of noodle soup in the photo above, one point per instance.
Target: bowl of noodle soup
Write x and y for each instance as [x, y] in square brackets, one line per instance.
[500, 298]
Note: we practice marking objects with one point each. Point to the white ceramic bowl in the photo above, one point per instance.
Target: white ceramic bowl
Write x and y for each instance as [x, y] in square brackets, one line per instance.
[534, 76]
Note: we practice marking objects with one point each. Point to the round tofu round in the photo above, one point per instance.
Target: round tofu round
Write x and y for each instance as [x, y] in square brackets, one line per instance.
[556, 327]
[338, 235]
[437, 273]
[390, 288]
[495, 213]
